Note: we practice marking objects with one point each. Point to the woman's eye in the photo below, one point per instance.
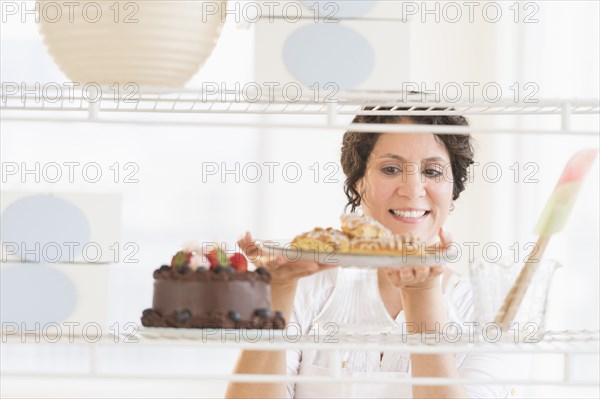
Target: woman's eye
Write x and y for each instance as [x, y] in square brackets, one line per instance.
[390, 170]
[429, 172]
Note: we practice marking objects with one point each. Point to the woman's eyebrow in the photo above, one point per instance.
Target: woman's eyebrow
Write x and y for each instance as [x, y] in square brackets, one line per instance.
[402, 159]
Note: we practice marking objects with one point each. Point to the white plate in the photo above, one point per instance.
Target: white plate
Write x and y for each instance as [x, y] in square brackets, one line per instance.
[345, 259]
[211, 334]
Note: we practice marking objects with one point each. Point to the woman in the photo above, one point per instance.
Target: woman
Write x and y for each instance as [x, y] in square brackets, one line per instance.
[408, 183]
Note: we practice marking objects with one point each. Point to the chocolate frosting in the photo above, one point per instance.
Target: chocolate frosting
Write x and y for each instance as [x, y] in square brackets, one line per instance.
[207, 299]
[202, 297]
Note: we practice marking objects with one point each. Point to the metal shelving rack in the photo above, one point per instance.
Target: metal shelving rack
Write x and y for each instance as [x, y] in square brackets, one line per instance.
[163, 106]
[563, 343]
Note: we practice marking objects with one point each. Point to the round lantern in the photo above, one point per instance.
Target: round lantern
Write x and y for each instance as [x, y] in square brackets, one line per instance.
[150, 43]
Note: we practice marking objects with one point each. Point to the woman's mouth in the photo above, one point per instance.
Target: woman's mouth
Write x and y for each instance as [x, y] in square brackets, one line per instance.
[409, 215]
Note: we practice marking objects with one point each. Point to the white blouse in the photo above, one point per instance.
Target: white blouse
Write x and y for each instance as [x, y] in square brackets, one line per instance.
[312, 294]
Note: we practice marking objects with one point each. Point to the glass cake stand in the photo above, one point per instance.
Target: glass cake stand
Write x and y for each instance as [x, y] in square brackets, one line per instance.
[355, 306]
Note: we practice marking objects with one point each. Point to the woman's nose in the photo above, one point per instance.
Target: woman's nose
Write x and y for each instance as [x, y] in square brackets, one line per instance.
[412, 184]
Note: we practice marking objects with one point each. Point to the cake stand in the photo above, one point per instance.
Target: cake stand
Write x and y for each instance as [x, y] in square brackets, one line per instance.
[355, 306]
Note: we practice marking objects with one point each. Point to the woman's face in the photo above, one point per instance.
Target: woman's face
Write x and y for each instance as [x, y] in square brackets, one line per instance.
[408, 184]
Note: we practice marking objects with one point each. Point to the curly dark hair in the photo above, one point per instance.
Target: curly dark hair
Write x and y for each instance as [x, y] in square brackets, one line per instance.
[357, 148]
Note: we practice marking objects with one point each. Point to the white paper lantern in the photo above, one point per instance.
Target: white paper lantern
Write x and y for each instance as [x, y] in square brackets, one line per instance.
[150, 43]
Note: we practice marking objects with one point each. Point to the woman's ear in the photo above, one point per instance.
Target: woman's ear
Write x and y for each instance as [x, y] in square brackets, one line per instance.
[359, 186]
[361, 189]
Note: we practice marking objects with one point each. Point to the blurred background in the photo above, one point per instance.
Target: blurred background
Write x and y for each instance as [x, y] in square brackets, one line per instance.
[162, 185]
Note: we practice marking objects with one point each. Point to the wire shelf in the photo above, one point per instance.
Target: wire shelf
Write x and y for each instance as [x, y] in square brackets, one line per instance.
[193, 107]
[584, 341]
[563, 343]
[558, 342]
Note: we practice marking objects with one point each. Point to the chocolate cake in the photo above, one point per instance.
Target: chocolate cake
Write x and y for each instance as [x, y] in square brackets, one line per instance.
[188, 294]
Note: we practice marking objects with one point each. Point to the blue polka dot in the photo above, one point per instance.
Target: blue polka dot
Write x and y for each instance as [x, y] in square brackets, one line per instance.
[35, 293]
[47, 223]
[328, 53]
[339, 9]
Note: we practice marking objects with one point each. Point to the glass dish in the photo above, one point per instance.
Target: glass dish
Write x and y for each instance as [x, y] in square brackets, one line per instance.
[492, 281]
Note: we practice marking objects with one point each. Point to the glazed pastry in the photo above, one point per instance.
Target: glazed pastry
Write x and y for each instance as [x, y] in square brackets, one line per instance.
[406, 242]
[372, 245]
[360, 234]
[323, 240]
[356, 225]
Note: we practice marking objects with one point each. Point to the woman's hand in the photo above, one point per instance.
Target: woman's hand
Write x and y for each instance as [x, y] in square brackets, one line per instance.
[419, 277]
[282, 271]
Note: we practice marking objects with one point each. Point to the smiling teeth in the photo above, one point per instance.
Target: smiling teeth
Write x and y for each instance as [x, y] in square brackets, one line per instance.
[409, 214]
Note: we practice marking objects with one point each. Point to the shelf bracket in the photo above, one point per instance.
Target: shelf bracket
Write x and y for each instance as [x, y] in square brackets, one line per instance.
[566, 117]
[567, 367]
[331, 114]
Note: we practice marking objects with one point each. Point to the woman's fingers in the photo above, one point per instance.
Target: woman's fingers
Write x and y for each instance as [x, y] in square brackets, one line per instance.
[394, 277]
[326, 266]
[421, 273]
[436, 270]
[244, 238]
[407, 274]
[285, 270]
[274, 263]
[249, 247]
[281, 269]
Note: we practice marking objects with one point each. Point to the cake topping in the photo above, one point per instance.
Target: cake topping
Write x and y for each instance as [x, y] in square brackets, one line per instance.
[234, 316]
[181, 258]
[239, 262]
[212, 259]
[218, 261]
[183, 315]
[262, 271]
[216, 265]
[263, 313]
[198, 261]
[184, 269]
[184, 260]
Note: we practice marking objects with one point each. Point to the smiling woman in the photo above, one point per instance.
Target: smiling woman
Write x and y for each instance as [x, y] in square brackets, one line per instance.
[407, 182]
